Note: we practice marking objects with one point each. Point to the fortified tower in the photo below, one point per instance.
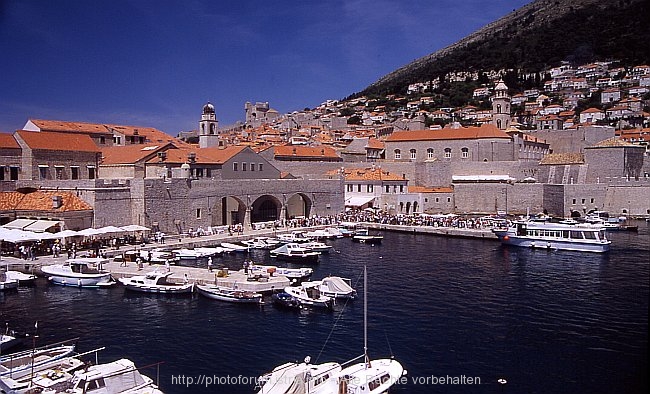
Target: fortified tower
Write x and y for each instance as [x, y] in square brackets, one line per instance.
[208, 135]
[501, 106]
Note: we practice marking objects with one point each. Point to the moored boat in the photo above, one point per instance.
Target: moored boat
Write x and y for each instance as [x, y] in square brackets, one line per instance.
[285, 300]
[294, 237]
[222, 293]
[119, 376]
[294, 274]
[363, 236]
[230, 247]
[80, 272]
[7, 283]
[262, 243]
[309, 294]
[156, 282]
[296, 253]
[316, 246]
[336, 287]
[546, 235]
[16, 365]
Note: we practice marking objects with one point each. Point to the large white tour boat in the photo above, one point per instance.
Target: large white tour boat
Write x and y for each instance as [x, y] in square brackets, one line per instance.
[546, 235]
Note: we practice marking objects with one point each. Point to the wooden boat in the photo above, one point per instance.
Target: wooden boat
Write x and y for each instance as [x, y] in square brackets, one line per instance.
[156, 282]
[222, 293]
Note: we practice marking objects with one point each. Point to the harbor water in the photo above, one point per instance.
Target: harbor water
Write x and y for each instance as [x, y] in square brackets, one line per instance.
[459, 314]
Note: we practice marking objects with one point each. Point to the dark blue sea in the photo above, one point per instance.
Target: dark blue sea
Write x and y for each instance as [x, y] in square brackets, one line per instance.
[447, 309]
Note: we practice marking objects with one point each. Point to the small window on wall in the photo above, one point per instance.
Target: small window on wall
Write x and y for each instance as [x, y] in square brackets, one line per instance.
[413, 154]
[398, 154]
[370, 188]
[261, 167]
[244, 166]
[235, 167]
[198, 213]
[447, 153]
[464, 153]
[42, 172]
[430, 153]
[74, 172]
[92, 174]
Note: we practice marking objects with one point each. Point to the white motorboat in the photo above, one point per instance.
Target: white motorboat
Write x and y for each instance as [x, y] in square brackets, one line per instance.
[81, 272]
[47, 378]
[309, 294]
[196, 253]
[295, 274]
[294, 237]
[6, 282]
[119, 376]
[325, 233]
[19, 364]
[262, 243]
[546, 235]
[363, 236]
[296, 253]
[9, 340]
[211, 251]
[316, 246]
[156, 282]
[367, 377]
[228, 294]
[336, 287]
[158, 256]
[230, 247]
[21, 277]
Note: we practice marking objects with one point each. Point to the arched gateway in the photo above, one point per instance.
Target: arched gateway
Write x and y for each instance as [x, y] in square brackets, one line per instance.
[233, 210]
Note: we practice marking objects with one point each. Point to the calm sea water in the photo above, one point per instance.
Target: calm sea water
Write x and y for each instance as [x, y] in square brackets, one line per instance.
[547, 322]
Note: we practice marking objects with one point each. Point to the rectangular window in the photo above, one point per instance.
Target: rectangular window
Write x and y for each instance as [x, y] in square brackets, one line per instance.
[102, 140]
[91, 173]
[583, 201]
[235, 167]
[58, 172]
[448, 199]
[387, 188]
[401, 188]
[437, 199]
[13, 173]
[350, 188]
[244, 166]
[252, 166]
[261, 167]
[574, 201]
[42, 172]
[370, 188]
[359, 188]
[74, 172]
[198, 213]
[199, 172]
[208, 173]
[591, 201]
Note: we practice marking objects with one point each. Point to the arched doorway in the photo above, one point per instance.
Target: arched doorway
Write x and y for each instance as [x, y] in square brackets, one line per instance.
[228, 211]
[265, 209]
[298, 205]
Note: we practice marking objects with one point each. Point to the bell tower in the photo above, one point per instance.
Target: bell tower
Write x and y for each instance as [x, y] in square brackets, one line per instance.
[208, 135]
[501, 106]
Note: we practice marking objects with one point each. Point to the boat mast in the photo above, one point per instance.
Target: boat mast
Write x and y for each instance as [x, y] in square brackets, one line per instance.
[365, 316]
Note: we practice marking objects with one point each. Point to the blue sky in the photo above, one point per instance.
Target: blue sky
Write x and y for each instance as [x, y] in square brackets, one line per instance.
[156, 62]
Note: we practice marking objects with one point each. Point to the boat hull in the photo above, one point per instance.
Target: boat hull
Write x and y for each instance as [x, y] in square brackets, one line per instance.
[97, 280]
[161, 289]
[508, 238]
[367, 239]
[215, 293]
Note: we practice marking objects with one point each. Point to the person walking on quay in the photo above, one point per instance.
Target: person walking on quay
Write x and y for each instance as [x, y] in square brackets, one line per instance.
[210, 263]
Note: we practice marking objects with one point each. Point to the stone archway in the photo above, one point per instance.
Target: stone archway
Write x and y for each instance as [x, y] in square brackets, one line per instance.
[228, 211]
[298, 205]
[265, 209]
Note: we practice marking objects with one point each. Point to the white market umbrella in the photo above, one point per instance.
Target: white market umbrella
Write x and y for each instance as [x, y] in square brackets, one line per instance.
[135, 227]
[110, 230]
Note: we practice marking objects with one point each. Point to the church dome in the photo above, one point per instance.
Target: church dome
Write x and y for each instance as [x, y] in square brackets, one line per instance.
[208, 108]
[501, 85]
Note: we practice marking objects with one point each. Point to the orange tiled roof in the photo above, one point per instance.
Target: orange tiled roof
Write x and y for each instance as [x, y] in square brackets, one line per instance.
[424, 189]
[57, 141]
[484, 131]
[612, 142]
[374, 143]
[370, 174]
[130, 154]
[151, 135]
[42, 201]
[305, 151]
[203, 155]
[7, 141]
[73, 127]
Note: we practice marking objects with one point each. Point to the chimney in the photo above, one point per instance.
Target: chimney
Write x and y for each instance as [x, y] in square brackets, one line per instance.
[191, 157]
[57, 202]
[162, 156]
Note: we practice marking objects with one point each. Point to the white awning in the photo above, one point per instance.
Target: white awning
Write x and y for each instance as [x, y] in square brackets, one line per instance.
[40, 226]
[19, 224]
[358, 201]
[482, 178]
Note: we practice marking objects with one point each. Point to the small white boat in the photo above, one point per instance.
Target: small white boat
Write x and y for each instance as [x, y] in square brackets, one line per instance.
[301, 378]
[19, 364]
[48, 378]
[363, 236]
[317, 246]
[81, 272]
[196, 253]
[336, 287]
[119, 376]
[9, 340]
[309, 294]
[296, 253]
[325, 233]
[158, 256]
[262, 243]
[229, 294]
[230, 247]
[294, 237]
[156, 282]
[22, 278]
[6, 282]
[296, 274]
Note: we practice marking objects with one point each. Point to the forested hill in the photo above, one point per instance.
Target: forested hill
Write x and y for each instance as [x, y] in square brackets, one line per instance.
[536, 37]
